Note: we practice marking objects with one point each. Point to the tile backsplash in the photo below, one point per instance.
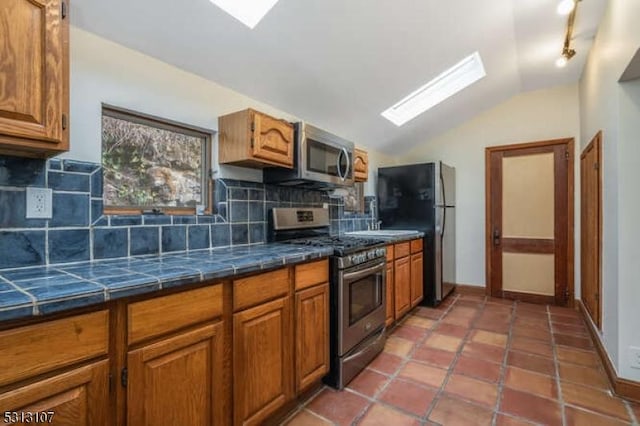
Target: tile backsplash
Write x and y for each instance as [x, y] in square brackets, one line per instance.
[78, 230]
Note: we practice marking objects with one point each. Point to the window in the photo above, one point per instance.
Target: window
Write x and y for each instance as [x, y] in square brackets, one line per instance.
[150, 163]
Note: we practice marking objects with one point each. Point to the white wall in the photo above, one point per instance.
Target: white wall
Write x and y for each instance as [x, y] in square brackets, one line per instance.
[532, 116]
[106, 72]
[614, 108]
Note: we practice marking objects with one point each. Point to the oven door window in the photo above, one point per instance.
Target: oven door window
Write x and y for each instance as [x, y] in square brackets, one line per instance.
[365, 296]
[325, 159]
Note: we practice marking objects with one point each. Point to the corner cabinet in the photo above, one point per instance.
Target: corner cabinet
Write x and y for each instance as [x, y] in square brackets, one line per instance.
[360, 165]
[253, 139]
[34, 77]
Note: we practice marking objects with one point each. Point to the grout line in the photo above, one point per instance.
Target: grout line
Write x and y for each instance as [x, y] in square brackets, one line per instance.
[556, 363]
[503, 365]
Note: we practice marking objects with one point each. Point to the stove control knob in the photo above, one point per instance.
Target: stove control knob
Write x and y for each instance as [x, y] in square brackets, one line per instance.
[371, 254]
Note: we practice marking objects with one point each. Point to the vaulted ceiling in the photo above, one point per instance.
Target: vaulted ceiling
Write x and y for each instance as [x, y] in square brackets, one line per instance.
[339, 63]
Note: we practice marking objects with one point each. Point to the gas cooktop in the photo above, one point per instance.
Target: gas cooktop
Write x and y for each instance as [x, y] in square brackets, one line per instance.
[341, 245]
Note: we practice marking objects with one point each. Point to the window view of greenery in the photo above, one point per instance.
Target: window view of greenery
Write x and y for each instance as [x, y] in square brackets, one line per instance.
[151, 166]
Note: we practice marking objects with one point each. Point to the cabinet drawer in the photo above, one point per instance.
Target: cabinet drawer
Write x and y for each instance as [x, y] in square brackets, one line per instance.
[257, 289]
[35, 349]
[310, 274]
[390, 253]
[416, 246]
[162, 315]
[402, 250]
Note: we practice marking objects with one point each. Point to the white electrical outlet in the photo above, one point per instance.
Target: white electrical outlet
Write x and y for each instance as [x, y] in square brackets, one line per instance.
[39, 202]
[634, 357]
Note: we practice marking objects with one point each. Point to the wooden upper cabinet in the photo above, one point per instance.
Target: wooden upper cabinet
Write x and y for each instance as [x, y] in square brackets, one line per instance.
[179, 380]
[79, 397]
[34, 77]
[263, 373]
[253, 139]
[360, 165]
[417, 289]
[312, 335]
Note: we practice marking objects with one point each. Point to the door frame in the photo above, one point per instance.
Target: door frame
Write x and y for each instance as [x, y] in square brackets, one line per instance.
[570, 145]
[596, 143]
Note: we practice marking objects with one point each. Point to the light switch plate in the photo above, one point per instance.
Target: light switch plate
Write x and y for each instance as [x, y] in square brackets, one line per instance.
[39, 201]
[634, 357]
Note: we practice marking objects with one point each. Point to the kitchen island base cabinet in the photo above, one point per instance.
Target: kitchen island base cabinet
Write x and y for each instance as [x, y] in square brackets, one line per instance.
[312, 335]
[79, 397]
[263, 379]
[417, 289]
[402, 271]
[178, 381]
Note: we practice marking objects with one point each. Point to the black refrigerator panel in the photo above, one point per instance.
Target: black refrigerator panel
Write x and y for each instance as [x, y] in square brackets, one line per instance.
[406, 197]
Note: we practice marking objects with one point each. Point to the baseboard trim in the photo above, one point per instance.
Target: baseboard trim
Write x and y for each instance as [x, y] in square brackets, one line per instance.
[472, 290]
[625, 388]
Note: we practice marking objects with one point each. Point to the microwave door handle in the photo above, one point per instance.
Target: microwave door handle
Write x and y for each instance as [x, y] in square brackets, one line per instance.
[338, 165]
[348, 168]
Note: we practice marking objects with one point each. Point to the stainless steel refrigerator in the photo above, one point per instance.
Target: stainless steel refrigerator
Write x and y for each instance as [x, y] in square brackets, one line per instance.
[423, 197]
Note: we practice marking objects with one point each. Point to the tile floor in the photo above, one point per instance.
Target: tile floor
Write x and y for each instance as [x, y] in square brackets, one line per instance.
[478, 361]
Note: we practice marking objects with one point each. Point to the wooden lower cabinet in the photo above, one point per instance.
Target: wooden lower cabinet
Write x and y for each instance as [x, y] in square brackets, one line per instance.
[402, 271]
[76, 398]
[390, 287]
[178, 381]
[312, 335]
[417, 289]
[263, 373]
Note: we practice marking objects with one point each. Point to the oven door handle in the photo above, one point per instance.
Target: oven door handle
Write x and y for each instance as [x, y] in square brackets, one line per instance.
[364, 272]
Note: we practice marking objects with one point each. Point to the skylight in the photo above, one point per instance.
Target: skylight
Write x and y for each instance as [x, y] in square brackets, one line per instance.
[249, 12]
[447, 84]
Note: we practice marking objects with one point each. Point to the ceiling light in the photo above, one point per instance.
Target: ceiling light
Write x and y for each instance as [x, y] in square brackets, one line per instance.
[561, 62]
[249, 12]
[447, 84]
[565, 7]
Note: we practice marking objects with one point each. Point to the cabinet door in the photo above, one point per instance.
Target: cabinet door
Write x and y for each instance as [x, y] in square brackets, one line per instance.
[390, 295]
[360, 165]
[402, 270]
[34, 74]
[178, 381]
[312, 335]
[417, 289]
[272, 139]
[76, 398]
[263, 361]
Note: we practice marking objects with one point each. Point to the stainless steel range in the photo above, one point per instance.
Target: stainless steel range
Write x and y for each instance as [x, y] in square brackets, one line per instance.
[357, 288]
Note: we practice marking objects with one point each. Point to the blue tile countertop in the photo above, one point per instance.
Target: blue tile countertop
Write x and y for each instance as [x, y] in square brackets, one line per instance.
[27, 292]
[388, 238]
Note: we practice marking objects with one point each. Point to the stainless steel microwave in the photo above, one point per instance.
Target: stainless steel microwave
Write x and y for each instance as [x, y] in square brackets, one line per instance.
[321, 160]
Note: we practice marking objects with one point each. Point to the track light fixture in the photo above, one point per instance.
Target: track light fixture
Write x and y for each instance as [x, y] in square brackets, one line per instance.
[569, 7]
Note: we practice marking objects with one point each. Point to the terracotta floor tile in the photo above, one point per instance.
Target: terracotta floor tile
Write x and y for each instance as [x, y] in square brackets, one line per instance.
[527, 381]
[560, 319]
[457, 320]
[576, 356]
[452, 411]
[505, 420]
[463, 311]
[482, 351]
[571, 330]
[532, 332]
[531, 362]
[472, 297]
[498, 301]
[472, 389]
[428, 313]
[573, 341]
[579, 417]
[409, 332]
[568, 312]
[478, 368]
[422, 373]
[531, 307]
[535, 408]
[398, 346]
[525, 344]
[531, 322]
[340, 407]
[636, 411]
[489, 338]
[494, 326]
[594, 400]
[417, 321]
[408, 396]
[451, 330]
[433, 356]
[386, 363]
[588, 376]
[368, 382]
[307, 418]
[379, 415]
[444, 342]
